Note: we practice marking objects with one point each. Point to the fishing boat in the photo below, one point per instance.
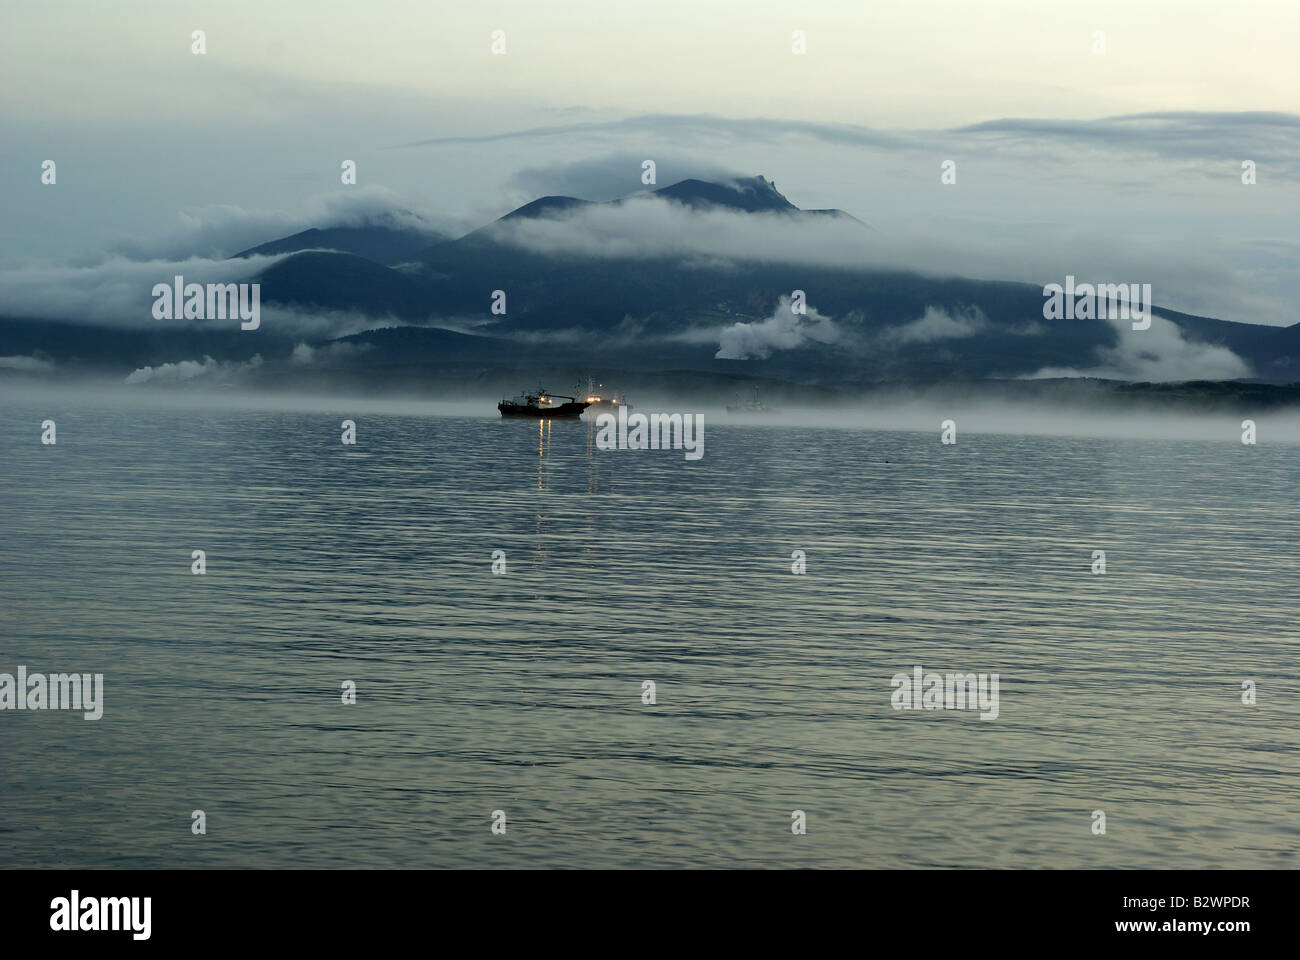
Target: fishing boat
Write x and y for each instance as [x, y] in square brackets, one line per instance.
[751, 406]
[598, 403]
[542, 404]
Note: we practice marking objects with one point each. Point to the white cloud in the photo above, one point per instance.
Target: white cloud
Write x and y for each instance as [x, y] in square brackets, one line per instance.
[652, 227]
[26, 364]
[1157, 354]
[938, 324]
[208, 370]
[222, 230]
[116, 292]
[783, 330]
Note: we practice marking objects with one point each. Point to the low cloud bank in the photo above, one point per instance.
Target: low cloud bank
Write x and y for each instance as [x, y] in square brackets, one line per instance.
[1159, 354]
[937, 324]
[31, 364]
[207, 370]
[221, 230]
[116, 292]
[783, 330]
[651, 228]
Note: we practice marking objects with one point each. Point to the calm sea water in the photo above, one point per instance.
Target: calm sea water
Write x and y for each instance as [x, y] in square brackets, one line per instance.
[523, 692]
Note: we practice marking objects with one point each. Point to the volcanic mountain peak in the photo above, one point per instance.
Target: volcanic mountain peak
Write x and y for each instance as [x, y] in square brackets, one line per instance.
[546, 207]
[741, 194]
[386, 243]
[751, 194]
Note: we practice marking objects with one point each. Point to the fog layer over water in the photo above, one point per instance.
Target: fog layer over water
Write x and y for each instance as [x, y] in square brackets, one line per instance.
[904, 409]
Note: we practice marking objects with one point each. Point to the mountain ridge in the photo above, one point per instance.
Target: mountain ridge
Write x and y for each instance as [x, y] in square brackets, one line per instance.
[671, 310]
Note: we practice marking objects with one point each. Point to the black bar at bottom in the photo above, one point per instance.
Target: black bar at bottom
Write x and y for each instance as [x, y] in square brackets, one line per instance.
[1221, 910]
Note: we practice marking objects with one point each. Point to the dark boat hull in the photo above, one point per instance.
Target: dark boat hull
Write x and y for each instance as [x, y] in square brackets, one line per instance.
[565, 411]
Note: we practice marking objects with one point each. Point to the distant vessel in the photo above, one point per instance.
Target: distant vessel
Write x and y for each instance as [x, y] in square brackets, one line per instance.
[542, 405]
[602, 404]
[751, 406]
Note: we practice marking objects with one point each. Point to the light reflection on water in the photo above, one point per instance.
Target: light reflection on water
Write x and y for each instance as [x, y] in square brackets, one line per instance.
[523, 692]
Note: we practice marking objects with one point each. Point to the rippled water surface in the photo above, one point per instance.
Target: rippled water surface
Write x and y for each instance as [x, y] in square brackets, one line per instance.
[523, 692]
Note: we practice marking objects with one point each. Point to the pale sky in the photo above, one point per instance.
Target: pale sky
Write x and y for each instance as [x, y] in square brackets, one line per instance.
[908, 63]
